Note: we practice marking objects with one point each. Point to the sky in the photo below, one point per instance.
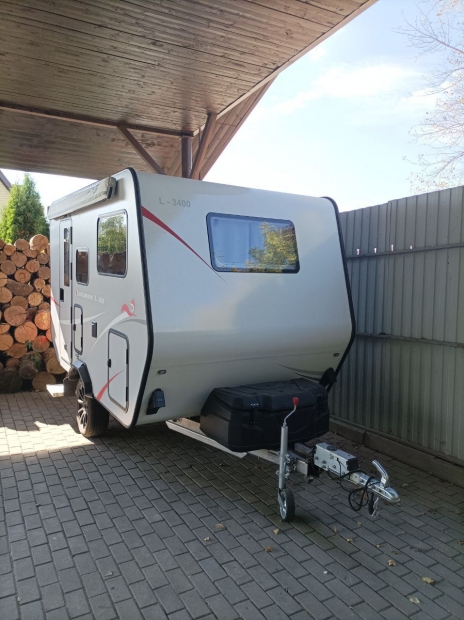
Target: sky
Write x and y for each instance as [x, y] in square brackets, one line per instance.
[336, 123]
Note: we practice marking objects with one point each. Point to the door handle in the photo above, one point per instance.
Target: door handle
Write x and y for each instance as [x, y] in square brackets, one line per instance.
[61, 294]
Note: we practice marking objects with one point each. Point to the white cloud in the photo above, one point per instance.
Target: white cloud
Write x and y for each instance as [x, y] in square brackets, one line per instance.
[318, 52]
[347, 82]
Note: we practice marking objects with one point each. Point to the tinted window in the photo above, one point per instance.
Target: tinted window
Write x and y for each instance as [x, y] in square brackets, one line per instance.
[66, 257]
[252, 244]
[112, 244]
[82, 266]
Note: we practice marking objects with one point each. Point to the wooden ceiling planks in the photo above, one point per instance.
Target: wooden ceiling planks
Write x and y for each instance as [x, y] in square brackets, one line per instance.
[160, 64]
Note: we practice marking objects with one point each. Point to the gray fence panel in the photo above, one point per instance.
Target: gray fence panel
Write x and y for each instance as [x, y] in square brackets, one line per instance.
[405, 373]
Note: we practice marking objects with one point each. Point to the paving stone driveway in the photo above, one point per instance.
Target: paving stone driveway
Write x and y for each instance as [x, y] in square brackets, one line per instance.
[149, 524]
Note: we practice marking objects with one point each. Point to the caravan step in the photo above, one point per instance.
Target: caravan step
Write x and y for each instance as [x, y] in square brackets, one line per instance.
[57, 391]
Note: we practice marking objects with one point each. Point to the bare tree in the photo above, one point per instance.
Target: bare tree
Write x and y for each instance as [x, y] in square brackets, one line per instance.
[439, 29]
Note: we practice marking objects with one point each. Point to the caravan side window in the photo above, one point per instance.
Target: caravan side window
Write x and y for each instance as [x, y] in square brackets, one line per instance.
[112, 244]
[82, 266]
[252, 244]
[66, 257]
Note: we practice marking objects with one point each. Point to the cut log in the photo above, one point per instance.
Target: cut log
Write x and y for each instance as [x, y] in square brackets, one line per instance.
[27, 332]
[33, 265]
[42, 319]
[19, 259]
[22, 275]
[9, 249]
[43, 258]
[10, 381]
[15, 315]
[17, 350]
[44, 272]
[8, 267]
[53, 366]
[35, 299]
[39, 284]
[27, 370]
[4, 328]
[31, 312]
[1, 366]
[48, 354]
[46, 290]
[18, 288]
[30, 253]
[22, 244]
[19, 301]
[5, 295]
[38, 242]
[3, 256]
[48, 334]
[12, 362]
[44, 306]
[41, 380]
[40, 343]
[3, 279]
[6, 342]
[2, 244]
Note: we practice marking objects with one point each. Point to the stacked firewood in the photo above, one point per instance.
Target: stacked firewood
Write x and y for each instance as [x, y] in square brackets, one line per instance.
[27, 357]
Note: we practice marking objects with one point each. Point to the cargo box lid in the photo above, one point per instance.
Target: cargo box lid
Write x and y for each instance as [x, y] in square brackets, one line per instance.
[273, 396]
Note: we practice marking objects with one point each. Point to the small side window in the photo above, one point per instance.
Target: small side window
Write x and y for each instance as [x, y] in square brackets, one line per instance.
[82, 266]
[112, 245]
[66, 257]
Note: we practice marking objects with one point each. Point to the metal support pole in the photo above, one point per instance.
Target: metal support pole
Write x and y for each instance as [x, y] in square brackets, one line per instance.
[186, 156]
[283, 457]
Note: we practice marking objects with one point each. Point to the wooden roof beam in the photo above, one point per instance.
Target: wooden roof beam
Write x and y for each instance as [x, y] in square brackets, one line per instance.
[148, 159]
[330, 31]
[86, 120]
[202, 149]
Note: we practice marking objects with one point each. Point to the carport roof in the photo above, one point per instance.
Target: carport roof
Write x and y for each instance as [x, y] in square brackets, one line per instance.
[73, 72]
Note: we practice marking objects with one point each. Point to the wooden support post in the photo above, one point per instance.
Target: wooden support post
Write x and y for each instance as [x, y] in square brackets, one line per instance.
[202, 149]
[186, 156]
[140, 150]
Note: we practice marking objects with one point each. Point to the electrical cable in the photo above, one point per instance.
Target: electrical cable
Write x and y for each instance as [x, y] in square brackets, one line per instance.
[365, 496]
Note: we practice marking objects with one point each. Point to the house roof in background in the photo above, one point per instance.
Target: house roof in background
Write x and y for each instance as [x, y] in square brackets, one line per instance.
[5, 181]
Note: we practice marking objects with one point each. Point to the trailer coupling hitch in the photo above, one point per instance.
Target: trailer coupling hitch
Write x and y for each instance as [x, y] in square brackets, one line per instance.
[340, 466]
[344, 467]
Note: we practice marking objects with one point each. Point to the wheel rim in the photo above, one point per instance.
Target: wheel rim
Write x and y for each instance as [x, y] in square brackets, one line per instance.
[82, 415]
[283, 505]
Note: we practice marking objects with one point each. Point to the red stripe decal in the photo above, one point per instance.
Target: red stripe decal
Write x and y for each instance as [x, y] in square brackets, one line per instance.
[105, 387]
[146, 213]
[54, 301]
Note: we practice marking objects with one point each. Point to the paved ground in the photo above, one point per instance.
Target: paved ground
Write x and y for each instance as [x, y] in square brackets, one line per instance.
[149, 524]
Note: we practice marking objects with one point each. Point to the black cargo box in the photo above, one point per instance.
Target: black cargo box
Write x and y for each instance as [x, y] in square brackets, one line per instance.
[249, 417]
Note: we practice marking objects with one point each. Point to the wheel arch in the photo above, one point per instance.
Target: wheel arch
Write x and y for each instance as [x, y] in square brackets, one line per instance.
[79, 369]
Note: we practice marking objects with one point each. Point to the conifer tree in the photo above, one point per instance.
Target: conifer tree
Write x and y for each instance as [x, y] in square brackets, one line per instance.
[24, 215]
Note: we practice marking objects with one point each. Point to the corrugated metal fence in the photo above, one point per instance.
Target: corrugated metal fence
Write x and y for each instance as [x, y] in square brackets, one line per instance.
[404, 375]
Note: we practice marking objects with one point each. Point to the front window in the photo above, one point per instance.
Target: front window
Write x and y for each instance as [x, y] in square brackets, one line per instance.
[82, 266]
[252, 244]
[112, 244]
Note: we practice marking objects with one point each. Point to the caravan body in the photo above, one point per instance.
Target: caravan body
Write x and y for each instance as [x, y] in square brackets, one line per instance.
[166, 288]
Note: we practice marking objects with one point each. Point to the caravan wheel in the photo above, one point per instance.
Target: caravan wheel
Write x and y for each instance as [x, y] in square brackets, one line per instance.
[92, 418]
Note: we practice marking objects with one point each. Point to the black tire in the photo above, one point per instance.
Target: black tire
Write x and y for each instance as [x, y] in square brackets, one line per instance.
[287, 506]
[92, 418]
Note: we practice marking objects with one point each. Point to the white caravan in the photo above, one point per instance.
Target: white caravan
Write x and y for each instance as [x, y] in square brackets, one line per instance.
[174, 298]
[164, 289]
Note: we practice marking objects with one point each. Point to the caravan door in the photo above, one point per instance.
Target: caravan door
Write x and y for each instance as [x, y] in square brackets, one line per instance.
[65, 306]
